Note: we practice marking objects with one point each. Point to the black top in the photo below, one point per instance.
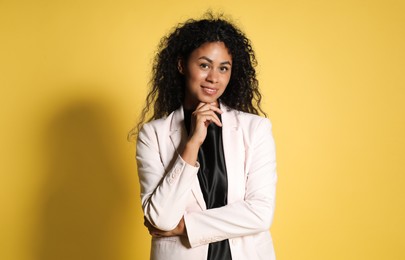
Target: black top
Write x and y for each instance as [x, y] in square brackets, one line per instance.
[213, 179]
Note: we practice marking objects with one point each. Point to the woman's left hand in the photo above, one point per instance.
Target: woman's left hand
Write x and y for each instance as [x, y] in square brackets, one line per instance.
[180, 230]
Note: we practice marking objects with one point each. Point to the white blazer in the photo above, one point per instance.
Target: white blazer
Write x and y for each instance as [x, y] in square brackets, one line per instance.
[170, 188]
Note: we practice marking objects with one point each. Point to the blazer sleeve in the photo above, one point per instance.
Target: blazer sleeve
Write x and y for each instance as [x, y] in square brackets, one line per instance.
[254, 213]
[164, 193]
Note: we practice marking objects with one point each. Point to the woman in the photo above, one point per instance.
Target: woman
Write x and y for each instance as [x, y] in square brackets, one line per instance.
[206, 160]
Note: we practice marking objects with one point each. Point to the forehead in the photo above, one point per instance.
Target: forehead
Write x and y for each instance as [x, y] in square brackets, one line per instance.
[216, 51]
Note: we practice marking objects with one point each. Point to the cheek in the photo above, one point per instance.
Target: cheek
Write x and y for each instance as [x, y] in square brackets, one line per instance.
[195, 77]
[195, 72]
[226, 80]
[201, 75]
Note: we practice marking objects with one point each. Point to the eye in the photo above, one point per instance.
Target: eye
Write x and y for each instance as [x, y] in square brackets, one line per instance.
[224, 69]
[204, 66]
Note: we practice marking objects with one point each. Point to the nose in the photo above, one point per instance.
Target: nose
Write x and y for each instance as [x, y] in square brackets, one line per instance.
[212, 76]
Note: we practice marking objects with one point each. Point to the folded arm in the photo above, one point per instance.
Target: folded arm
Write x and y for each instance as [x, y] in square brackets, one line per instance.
[255, 212]
[160, 188]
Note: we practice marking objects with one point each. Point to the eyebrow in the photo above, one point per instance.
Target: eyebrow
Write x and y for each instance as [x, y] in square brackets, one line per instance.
[210, 61]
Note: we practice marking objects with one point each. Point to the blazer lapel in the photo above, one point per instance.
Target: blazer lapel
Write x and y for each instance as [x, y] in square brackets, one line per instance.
[178, 136]
[234, 150]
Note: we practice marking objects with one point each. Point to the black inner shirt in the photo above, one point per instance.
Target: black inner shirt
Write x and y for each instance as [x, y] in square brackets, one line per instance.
[213, 179]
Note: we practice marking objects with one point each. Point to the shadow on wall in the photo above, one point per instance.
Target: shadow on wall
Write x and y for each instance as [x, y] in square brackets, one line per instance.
[85, 195]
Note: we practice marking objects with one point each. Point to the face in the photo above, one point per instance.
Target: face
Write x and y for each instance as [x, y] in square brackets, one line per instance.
[207, 73]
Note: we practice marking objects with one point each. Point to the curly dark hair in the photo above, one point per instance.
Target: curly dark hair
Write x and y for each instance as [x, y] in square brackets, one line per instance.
[168, 84]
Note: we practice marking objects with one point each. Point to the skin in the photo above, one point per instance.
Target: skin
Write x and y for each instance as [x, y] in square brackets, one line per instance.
[207, 72]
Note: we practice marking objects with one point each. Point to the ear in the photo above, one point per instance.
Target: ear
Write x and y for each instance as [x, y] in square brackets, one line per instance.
[180, 65]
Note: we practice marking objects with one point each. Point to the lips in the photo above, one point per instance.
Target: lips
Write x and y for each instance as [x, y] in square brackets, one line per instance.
[209, 91]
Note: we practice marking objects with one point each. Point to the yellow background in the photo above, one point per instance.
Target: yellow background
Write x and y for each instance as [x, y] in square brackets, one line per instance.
[73, 78]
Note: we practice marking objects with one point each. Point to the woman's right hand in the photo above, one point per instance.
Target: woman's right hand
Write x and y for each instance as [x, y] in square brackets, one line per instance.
[203, 115]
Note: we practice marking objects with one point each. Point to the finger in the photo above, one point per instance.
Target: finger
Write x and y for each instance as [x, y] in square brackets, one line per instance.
[160, 234]
[208, 107]
[200, 105]
[210, 117]
[155, 234]
[215, 103]
[216, 109]
[206, 112]
[217, 121]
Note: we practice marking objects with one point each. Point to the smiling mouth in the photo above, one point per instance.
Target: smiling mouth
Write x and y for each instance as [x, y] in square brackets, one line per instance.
[210, 91]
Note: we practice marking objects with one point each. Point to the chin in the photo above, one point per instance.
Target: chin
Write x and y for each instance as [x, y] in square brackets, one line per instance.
[208, 99]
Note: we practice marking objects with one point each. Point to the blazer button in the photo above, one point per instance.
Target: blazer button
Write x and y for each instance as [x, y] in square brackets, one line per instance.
[171, 178]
